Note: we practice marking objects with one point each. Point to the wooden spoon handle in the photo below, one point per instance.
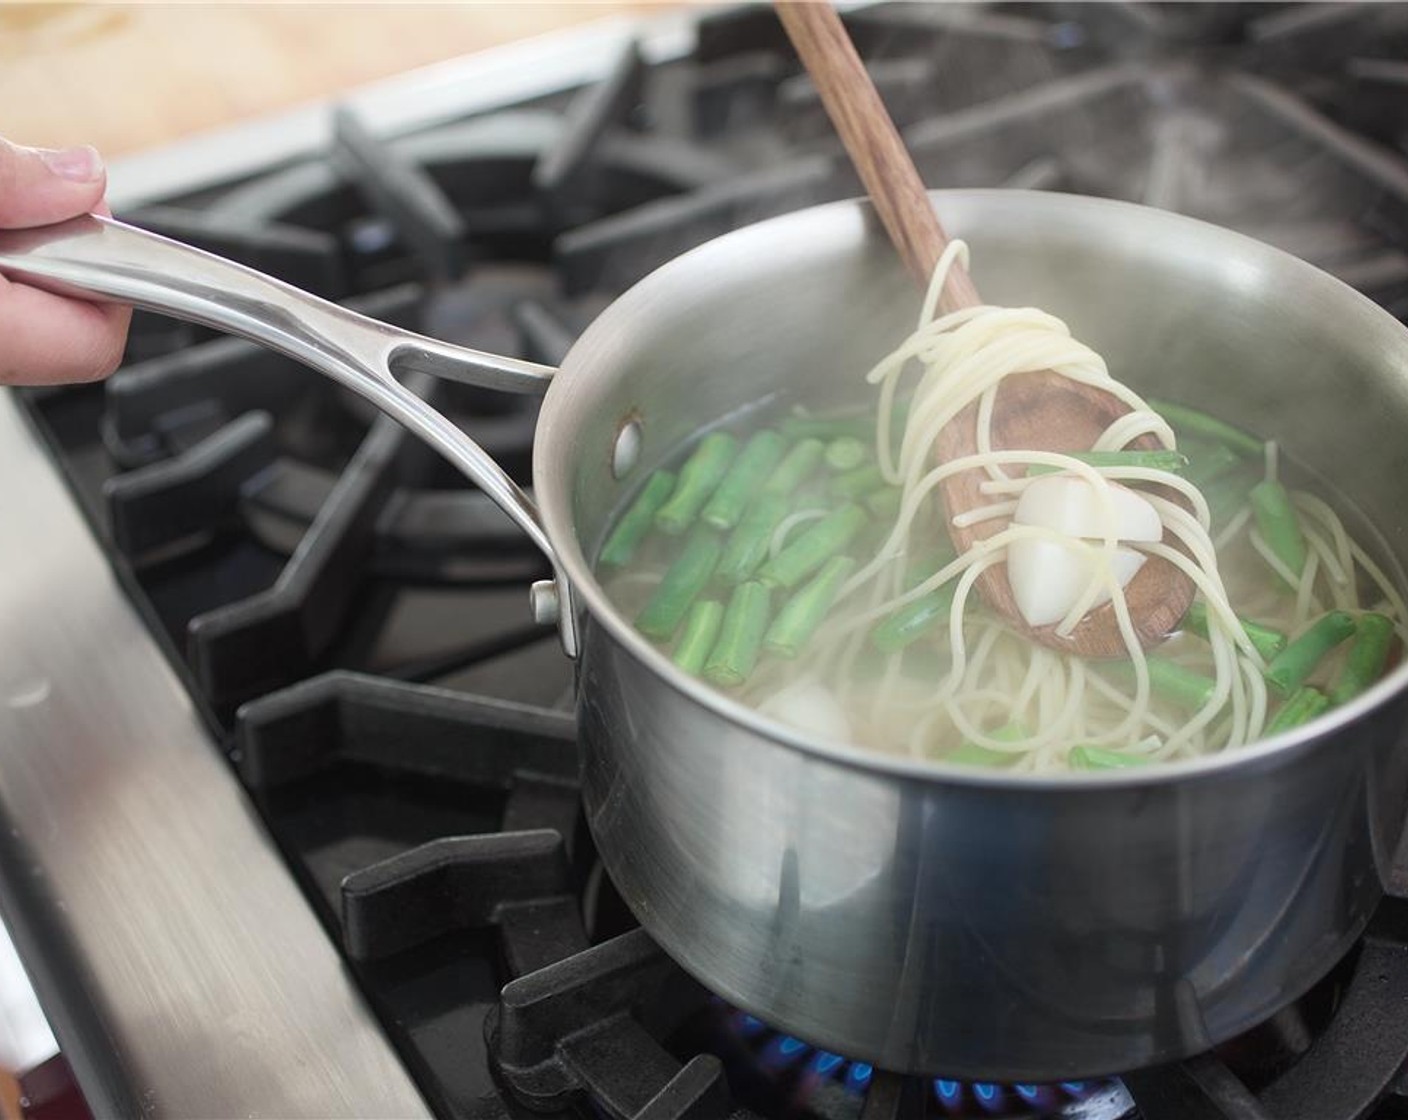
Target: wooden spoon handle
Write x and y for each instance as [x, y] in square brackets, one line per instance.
[874, 144]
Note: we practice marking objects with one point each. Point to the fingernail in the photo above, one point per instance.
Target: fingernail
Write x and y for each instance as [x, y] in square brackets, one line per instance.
[81, 164]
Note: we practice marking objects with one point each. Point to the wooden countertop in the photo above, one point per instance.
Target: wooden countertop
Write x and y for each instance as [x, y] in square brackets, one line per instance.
[127, 77]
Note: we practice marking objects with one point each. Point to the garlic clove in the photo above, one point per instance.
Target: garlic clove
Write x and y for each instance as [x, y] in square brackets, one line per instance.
[809, 706]
[1047, 576]
[1076, 508]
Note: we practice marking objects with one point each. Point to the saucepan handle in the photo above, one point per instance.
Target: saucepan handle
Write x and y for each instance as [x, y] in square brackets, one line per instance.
[105, 259]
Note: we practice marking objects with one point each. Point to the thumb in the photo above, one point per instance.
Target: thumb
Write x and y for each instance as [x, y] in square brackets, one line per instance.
[43, 185]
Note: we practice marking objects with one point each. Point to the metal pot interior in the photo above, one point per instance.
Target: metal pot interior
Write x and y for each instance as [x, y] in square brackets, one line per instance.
[802, 306]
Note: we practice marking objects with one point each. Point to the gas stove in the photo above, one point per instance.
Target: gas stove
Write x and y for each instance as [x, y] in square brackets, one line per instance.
[288, 770]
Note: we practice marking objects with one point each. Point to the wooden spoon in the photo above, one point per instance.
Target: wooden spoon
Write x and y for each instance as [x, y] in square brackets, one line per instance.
[1038, 410]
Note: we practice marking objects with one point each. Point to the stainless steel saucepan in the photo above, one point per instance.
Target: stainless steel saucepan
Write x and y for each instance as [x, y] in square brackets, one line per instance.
[919, 916]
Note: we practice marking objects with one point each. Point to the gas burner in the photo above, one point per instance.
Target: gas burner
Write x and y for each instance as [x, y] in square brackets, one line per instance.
[777, 1074]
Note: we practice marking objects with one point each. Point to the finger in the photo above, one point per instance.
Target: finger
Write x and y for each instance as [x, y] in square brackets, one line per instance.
[43, 185]
[49, 339]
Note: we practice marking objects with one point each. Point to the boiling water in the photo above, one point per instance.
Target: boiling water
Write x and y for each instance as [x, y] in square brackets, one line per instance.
[898, 690]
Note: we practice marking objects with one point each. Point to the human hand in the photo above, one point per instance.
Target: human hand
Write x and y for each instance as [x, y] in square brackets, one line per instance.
[48, 339]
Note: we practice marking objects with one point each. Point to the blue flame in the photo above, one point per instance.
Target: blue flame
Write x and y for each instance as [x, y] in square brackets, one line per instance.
[777, 1052]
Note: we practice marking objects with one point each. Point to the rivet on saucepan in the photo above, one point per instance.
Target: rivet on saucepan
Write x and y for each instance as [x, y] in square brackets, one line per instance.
[627, 448]
[544, 601]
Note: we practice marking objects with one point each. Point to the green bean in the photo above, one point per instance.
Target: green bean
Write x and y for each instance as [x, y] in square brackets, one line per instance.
[857, 483]
[814, 547]
[928, 563]
[683, 581]
[1264, 639]
[1303, 706]
[971, 754]
[1149, 460]
[1278, 524]
[1183, 686]
[908, 624]
[1207, 462]
[1227, 495]
[799, 617]
[747, 545]
[799, 465]
[903, 627]
[838, 427]
[1200, 424]
[884, 503]
[621, 545]
[1097, 758]
[1289, 669]
[1173, 682]
[845, 453]
[701, 473]
[701, 627]
[744, 479]
[740, 640]
[1373, 636]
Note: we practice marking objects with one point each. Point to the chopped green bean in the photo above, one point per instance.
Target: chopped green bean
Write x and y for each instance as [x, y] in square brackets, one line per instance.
[1373, 636]
[701, 628]
[1199, 424]
[1207, 462]
[701, 473]
[845, 453]
[744, 479]
[910, 622]
[684, 580]
[884, 503]
[928, 563]
[857, 483]
[838, 427]
[1303, 706]
[1278, 524]
[1289, 669]
[621, 545]
[740, 640]
[971, 754]
[799, 617]
[814, 547]
[1097, 758]
[747, 545]
[1172, 681]
[1264, 639]
[1148, 460]
[1182, 686]
[797, 466]
[1227, 495]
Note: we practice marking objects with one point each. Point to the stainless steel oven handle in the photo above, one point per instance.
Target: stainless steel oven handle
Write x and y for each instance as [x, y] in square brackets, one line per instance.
[101, 258]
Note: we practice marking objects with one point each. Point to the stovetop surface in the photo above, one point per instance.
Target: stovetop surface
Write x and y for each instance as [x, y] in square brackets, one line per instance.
[352, 620]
